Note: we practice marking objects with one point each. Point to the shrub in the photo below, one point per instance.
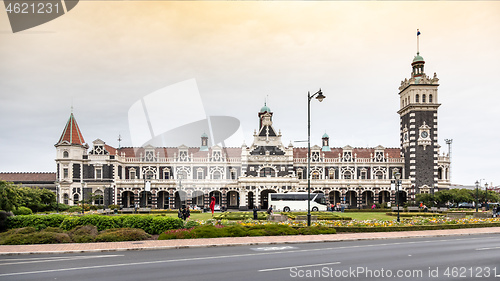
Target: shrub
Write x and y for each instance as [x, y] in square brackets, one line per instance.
[28, 235]
[3, 219]
[112, 207]
[75, 209]
[83, 234]
[317, 230]
[209, 231]
[22, 211]
[177, 234]
[191, 224]
[122, 234]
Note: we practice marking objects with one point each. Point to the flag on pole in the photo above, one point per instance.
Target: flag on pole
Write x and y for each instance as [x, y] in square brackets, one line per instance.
[418, 32]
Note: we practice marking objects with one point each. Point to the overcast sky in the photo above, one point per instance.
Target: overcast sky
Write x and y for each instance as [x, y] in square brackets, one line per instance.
[104, 56]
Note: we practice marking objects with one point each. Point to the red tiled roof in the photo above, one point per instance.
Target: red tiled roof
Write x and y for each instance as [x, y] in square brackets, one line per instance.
[71, 132]
[28, 177]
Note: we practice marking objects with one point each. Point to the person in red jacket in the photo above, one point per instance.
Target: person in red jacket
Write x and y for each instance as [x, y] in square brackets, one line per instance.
[212, 205]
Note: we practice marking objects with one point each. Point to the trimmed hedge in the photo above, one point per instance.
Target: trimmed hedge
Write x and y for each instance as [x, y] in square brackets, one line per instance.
[36, 221]
[413, 228]
[240, 216]
[409, 215]
[211, 231]
[149, 223]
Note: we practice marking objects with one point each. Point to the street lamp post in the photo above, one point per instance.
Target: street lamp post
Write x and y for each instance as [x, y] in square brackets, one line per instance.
[486, 196]
[319, 96]
[83, 197]
[397, 175]
[57, 196]
[477, 195]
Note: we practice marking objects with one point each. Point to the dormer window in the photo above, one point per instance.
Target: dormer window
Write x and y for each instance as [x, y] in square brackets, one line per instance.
[216, 156]
[347, 156]
[183, 156]
[150, 156]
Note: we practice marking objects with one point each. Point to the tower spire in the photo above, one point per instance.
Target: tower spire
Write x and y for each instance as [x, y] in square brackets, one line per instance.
[71, 133]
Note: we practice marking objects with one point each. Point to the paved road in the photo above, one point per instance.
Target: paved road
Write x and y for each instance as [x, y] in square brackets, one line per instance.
[432, 258]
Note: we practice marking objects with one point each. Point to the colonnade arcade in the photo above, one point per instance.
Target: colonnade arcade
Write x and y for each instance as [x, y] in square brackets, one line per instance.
[251, 196]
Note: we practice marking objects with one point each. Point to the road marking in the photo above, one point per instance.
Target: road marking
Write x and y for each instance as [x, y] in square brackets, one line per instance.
[49, 259]
[482, 249]
[229, 256]
[274, 248]
[297, 266]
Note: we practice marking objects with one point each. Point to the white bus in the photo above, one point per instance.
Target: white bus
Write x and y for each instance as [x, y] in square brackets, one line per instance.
[296, 201]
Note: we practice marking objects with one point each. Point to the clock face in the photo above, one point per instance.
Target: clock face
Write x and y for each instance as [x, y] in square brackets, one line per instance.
[424, 134]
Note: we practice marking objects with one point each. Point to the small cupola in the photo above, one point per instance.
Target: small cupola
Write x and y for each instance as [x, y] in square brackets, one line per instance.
[326, 142]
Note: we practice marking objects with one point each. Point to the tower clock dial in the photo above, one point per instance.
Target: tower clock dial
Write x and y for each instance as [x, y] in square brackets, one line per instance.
[424, 134]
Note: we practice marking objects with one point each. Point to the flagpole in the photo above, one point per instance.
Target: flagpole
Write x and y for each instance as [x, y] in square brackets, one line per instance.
[418, 33]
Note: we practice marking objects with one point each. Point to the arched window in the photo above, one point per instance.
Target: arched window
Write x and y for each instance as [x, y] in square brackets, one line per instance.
[76, 198]
[423, 98]
[267, 171]
[430, 98]
[417, 98]
[379, 175]
[347, 175]
[315, 175]
[216, 175]
[98, 198]
[65, 154]
[149, 175]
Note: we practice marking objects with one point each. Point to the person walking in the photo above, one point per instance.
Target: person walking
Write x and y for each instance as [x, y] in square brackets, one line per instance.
[180, 214]
[255, 212]
[186, 213]
[212, 205]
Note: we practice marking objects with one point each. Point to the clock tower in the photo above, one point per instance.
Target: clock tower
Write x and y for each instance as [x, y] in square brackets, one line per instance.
[418, 127]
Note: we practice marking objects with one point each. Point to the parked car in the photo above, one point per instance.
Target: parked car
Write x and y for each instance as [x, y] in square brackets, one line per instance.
[468, 205]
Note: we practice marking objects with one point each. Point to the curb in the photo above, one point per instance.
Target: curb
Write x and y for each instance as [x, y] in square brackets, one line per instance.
[212, 242]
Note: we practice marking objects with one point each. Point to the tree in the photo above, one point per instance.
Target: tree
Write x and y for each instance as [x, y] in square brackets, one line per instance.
[426, 198]
[9, 196]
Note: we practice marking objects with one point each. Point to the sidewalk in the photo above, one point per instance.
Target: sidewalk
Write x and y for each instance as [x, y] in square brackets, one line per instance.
[230, 241]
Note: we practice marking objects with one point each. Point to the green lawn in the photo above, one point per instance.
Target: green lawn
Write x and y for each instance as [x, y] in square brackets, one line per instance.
[354, 215]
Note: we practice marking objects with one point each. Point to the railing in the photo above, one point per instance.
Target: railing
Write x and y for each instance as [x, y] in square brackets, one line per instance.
[356, 160]
[175, 160]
